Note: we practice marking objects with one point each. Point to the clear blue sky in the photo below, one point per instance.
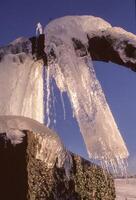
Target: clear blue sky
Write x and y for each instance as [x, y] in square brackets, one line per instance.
[18, 18]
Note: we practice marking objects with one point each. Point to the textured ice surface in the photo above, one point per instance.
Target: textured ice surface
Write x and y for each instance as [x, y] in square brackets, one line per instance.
[65, 28]
[21, 96]
[21, 86]
[75, 75]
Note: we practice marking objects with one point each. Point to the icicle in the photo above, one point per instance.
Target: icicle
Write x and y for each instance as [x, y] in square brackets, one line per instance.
[49, 148]
[48, 97]
[53, 103]
[22, 84]
[77, 77]
[72, 75]
[39, 29]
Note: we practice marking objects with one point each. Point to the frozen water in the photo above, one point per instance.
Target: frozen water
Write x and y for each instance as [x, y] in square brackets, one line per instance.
[75, 75]
[51, 150]
[21, 86]
[21, 83]
[21, 103]
[39, 29]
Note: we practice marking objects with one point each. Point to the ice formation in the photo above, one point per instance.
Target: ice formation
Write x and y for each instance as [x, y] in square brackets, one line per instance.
[21, 83]
[39, 29]
[21, 103]
[75, 75]
[49, 148]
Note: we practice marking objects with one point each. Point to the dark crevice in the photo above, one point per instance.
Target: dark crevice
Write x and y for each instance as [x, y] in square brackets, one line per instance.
[13, 170]
[38, 48]
[101, 49]
[130, 51]
[79, 47]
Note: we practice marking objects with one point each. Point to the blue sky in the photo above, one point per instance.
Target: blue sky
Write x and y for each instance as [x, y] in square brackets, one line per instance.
[18, 18]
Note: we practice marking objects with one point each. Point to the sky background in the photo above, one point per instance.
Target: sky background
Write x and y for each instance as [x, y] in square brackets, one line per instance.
[19, 18]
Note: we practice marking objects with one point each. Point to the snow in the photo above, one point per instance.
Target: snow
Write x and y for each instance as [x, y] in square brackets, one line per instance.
[125, 189]
[120, 44]
[39, 29]
[20, 45]
[65, 28]
[19, 41]
[15, 136]
[75, 75]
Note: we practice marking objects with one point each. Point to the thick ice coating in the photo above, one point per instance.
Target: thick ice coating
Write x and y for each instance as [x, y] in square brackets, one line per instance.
[21, 83]
[49, 148]
[21, 96]
[75, 75]
[21, 86]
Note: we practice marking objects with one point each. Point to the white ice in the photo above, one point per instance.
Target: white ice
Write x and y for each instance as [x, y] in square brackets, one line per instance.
[21, 86]
[49, 149]
[39, 29]
[75, 75]
[21, 106]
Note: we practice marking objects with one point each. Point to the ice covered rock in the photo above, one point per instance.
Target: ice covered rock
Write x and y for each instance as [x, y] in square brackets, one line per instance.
[25, 176]
[95, 36]
[49, 147]
[70, 44]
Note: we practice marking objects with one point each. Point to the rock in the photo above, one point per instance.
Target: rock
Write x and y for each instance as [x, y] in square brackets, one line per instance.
[25, 177]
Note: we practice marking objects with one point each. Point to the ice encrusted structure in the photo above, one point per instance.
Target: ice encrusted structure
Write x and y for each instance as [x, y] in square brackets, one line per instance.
[21, 103]
[21, 79]
[74, 73]
[21, 83]
[49, 147]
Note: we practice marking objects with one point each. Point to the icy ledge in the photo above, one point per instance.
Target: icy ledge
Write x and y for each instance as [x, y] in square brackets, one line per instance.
[93, 35]
[49, 147]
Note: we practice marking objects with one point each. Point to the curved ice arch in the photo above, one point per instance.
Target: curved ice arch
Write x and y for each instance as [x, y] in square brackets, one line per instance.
[75, 75]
